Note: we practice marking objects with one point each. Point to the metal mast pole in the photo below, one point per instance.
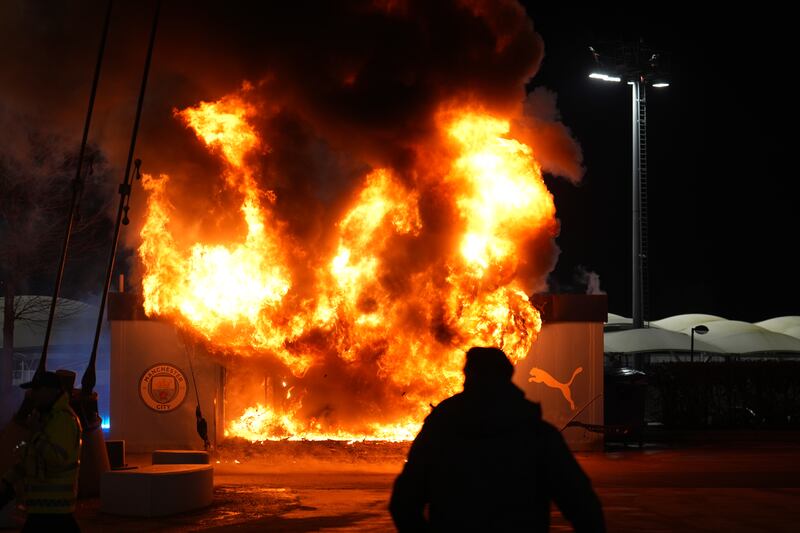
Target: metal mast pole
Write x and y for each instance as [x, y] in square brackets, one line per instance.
[77, 189]
[89, 378]
[636, 291]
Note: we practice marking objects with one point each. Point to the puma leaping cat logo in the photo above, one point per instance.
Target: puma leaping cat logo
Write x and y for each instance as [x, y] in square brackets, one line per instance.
[542, 376]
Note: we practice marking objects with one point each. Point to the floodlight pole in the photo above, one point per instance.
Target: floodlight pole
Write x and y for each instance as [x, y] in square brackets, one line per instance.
[638, 101]
[629, 64]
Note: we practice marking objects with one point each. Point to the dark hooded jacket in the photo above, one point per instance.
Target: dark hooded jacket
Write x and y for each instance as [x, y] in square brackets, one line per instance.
[486, 461]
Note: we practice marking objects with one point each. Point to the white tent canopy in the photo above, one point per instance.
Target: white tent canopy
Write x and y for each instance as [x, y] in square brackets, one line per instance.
[742, 337]
[617, 319]
[651, 340]
[685, 322]
[777, 335]
[788, 325]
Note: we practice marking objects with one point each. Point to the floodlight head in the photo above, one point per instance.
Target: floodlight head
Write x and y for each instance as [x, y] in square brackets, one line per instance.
[660, 84]
[604, 77]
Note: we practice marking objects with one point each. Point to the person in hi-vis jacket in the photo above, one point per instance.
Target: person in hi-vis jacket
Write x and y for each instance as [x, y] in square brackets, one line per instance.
[45, 476]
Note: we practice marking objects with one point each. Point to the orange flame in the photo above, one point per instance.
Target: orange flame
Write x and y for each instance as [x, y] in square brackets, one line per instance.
[400, 347]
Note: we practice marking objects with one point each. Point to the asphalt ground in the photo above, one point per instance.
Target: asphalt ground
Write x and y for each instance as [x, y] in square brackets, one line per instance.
[726, 481]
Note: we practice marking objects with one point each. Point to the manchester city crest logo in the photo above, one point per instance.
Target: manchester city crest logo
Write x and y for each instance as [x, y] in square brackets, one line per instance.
[162, 387]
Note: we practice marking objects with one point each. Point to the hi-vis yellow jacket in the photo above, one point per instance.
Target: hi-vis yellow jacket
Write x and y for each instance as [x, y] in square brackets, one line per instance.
[49, 463]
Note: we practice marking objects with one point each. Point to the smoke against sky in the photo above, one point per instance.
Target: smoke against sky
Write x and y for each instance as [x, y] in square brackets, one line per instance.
[342, 87]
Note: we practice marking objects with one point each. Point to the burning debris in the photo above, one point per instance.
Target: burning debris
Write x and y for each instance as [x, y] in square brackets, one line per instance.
[342, 307]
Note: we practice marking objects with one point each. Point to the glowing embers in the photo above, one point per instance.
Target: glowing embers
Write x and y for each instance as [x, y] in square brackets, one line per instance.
[260, 423]
[378, 327]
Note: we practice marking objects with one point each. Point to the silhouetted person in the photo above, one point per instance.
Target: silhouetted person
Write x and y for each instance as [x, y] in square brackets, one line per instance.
[486, 461]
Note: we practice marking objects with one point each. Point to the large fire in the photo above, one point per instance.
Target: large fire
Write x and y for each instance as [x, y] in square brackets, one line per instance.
[391, 349]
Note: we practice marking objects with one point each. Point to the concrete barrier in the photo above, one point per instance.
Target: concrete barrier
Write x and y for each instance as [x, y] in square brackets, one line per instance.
[157, 490]
[180, 457]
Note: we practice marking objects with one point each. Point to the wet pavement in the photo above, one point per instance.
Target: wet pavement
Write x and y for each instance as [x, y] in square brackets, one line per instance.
[704, 482]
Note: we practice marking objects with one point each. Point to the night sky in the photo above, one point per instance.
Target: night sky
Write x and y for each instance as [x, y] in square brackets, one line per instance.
[722, 176]
[723, 214]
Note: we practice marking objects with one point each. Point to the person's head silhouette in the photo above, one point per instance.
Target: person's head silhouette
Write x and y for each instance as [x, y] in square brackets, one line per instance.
[486, 368]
